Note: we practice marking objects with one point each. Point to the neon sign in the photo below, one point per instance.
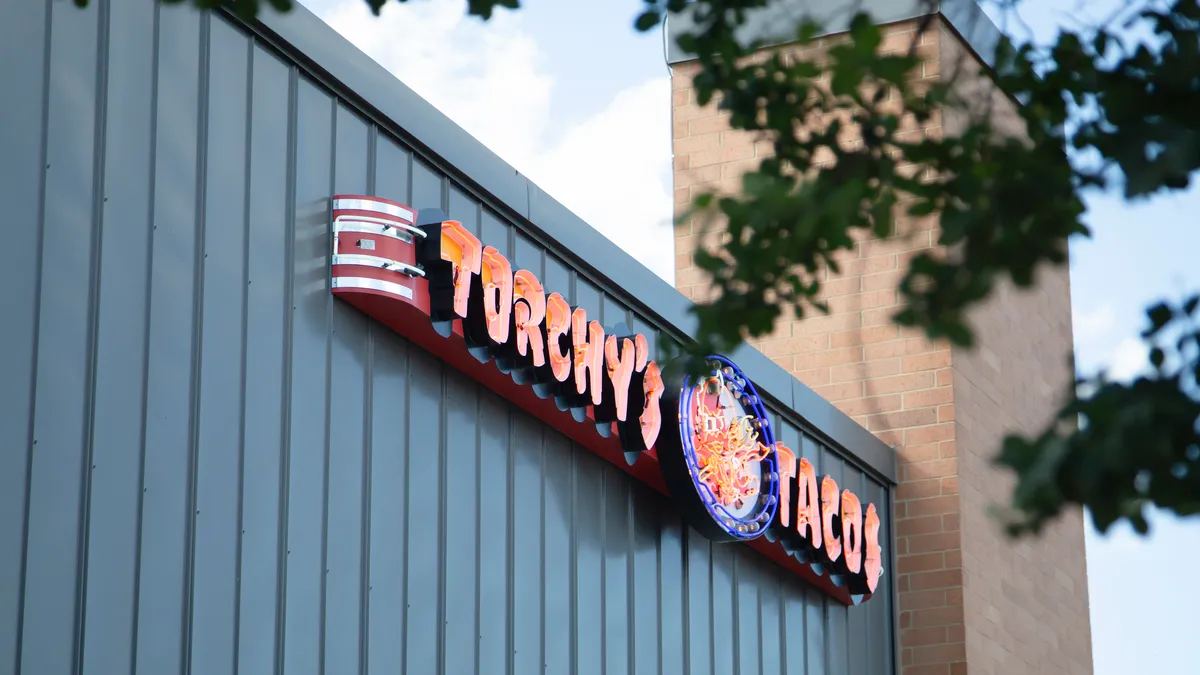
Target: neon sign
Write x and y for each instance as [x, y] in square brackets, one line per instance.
[382, 249]
[432, 280]
[735, 482]
[721, 465]
[539, 338]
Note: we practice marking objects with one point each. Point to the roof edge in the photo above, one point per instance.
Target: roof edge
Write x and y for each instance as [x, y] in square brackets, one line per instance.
[773, 24]
[308, 40]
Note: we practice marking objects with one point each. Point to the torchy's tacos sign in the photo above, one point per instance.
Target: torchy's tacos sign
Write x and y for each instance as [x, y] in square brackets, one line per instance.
[705, 441]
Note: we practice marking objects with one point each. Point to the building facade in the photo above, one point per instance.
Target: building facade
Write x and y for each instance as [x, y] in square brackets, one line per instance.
[969, 599]
[261, 413]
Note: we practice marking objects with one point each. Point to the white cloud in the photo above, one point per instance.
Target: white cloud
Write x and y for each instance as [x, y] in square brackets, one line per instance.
[486, 77]
[612, 168]
[1095, 324]
[1100, 346]
[1128, 360]
[614, 171]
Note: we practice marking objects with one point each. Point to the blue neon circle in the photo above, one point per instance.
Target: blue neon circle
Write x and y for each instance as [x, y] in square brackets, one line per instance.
[759, 519]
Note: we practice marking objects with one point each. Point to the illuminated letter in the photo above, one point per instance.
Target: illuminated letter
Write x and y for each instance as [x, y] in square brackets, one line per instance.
[786, 459]
[497, 294]
[651, 419]
[620, 371]
[829, 509]
[642, 349]
[852, 531]
[808, 512]
[464, 252]
[639, 423]
[558, 322]
[588, 342]
[529, 309]
[873, 566]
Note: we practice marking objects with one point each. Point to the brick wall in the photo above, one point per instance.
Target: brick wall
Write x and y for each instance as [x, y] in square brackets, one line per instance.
[1026, 604]
[909, 392]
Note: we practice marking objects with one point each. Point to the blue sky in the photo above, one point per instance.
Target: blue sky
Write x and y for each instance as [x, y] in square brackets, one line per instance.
[573, 97]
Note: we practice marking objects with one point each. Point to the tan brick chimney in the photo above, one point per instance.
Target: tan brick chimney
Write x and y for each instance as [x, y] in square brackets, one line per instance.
[970, 600]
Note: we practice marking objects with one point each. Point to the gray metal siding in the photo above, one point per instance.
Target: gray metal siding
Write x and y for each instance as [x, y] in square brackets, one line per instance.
[212, 466]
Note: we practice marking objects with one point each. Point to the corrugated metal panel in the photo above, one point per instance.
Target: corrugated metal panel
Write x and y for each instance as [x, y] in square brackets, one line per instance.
[224, 470]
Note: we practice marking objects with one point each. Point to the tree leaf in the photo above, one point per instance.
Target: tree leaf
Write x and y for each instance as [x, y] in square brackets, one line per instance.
[646, 20]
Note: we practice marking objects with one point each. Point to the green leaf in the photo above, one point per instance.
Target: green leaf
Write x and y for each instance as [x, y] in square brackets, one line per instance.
[484, 8]
[1159, 315]
[1157, 357]
[646, 20]
[958, 333]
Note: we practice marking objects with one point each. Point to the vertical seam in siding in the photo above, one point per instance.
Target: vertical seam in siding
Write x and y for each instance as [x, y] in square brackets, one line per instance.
[712, 616]
[510, 239]
[443, 442]
[31, 442]
[630, 577]
[604, 569]
[364, 585]
[476, 636]
[479, 512]
[845, 612]
[808, 598]
[241, 475]
[510, 549]
[685, 596]
[408, 478]
[93, 318]
[444, 193]
[574, 572]
[784, 632]
[364, 588]
[866, 634]
[409, 178]
[658, 581]
[760, 572]
[150, 203]
[285, 463]
[736, 627]
[781, 584]
[528, 200]
[443, 500]
[826, 634]
[372, 141]
[407, 492]
[333, 114]
[542, 547]
[197, 343]
[545, 477]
